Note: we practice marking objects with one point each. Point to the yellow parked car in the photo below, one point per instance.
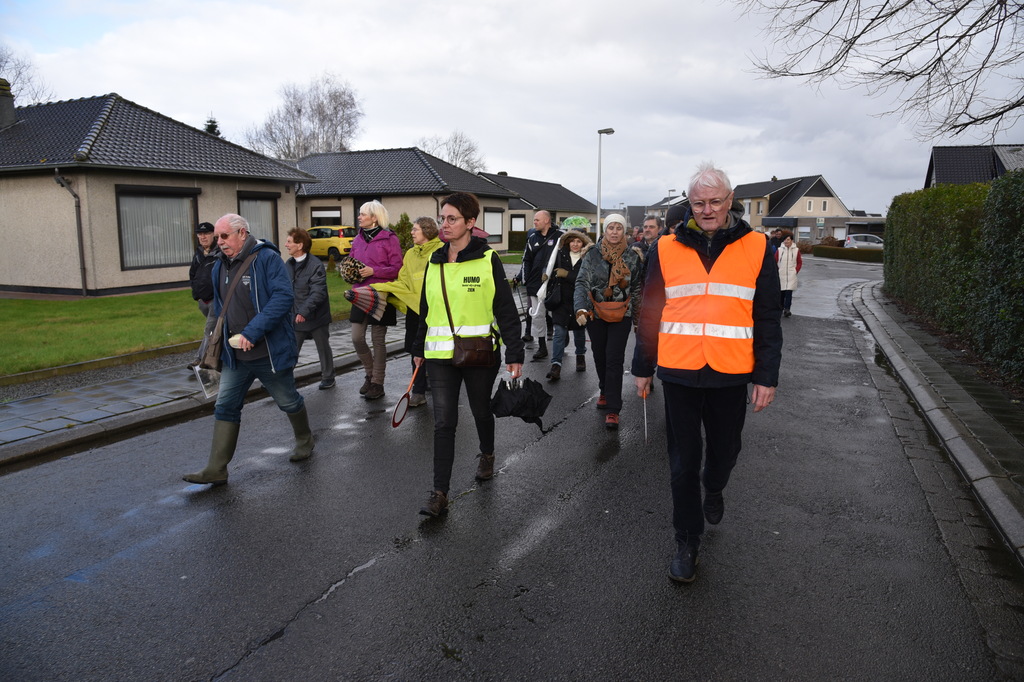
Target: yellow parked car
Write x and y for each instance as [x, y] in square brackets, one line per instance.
[331, 240]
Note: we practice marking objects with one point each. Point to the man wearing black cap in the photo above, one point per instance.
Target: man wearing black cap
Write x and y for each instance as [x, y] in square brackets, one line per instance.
[200, 274]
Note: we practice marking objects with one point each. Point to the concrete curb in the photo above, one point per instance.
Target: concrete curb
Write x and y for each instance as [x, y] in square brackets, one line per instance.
[121, 425]
[998, 495]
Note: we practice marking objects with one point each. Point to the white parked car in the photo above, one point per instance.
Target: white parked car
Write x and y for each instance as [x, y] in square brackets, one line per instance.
[863, 241]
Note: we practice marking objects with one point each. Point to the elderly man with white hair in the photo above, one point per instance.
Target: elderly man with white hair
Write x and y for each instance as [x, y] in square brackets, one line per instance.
[710, 326]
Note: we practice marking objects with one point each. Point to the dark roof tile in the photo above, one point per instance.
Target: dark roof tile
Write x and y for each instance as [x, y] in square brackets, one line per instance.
[391, 171]
[543, 195]
[111, 132]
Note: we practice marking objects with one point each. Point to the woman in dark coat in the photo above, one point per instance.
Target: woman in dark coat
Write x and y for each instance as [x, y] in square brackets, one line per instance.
[559, 302]
[312, 307]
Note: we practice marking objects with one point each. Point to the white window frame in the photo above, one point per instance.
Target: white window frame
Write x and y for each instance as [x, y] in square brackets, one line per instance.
[810, 205]
[261, 214]
[824, 205]
[155, 226]
[493, 224]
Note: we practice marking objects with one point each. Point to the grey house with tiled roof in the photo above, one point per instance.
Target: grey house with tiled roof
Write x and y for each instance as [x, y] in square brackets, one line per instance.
[806, 206]
[115, 191]
[972, 163]
[538, 195]
[406, 180]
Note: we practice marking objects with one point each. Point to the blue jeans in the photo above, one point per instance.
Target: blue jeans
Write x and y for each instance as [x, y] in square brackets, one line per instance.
[445, 386]
[561, 340]
[235, 383]
[721, 412]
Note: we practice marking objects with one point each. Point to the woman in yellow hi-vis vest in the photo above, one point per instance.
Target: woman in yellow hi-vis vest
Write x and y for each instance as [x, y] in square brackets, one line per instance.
[480, 301]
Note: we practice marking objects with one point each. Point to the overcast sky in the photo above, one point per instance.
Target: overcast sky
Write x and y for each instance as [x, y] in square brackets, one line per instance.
[530, 81]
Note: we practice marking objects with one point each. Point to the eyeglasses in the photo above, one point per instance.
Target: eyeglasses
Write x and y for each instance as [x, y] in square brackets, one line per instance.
[715, 204]
[450, 219]
[223, 236]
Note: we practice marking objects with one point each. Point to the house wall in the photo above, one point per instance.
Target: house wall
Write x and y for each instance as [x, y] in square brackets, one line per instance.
[37, 226]
[415, 206]
[57, 271]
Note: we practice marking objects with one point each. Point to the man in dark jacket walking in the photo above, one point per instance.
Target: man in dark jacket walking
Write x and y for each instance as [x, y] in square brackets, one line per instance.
[312, 307]
[539, 246]
[200, 273]
[710, 325]
[258, 343]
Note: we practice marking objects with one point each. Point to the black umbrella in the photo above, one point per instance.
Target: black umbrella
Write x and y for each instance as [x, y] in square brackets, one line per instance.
[523, 398]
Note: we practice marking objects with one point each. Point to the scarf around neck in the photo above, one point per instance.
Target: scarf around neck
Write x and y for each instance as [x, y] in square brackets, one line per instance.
[368, 235]
[619, 272]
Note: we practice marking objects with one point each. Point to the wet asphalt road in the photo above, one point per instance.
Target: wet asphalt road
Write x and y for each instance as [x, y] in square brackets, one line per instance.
[833, 560]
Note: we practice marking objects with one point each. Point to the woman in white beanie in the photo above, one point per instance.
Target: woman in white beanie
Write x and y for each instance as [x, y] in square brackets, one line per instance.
[606, 299]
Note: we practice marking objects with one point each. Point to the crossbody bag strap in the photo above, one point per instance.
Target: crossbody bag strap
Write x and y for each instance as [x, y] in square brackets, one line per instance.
[234, 283]
[447, 308]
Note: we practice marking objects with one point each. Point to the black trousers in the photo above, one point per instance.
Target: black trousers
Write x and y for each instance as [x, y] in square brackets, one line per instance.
[608, 344]
[721, 412]
[445, 385]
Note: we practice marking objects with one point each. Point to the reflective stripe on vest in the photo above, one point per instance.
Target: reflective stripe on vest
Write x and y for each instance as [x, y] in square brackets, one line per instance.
[471, 290]
[708, 316]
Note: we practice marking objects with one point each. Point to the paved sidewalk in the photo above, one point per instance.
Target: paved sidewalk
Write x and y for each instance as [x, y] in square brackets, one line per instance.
[977, 423]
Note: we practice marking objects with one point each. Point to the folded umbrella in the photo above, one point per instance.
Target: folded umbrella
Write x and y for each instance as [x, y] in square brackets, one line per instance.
[369, 300]
[523, 398]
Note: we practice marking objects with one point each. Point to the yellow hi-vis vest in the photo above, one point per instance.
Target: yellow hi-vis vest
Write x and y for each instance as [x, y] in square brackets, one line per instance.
[470, 287]
[708, 317]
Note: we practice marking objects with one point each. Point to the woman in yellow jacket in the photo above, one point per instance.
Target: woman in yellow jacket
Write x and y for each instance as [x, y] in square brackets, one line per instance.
[407, 289]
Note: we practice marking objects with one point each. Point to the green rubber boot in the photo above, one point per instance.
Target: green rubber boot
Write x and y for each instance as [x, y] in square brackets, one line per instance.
[225, 437]
[303, 436]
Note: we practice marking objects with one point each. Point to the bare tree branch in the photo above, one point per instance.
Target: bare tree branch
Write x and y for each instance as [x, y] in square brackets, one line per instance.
[954, 64]
[26, 85]
[323, 117]
[457, 149]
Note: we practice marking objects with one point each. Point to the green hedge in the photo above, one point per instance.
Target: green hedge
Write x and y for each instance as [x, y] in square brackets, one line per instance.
[999, 315]
[516, 241]
[860, 255]
[956, 254]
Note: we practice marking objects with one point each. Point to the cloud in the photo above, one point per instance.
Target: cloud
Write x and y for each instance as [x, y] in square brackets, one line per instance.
[531, 84]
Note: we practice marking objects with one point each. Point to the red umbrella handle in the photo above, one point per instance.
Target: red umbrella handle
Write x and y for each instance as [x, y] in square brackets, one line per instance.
[403, 402]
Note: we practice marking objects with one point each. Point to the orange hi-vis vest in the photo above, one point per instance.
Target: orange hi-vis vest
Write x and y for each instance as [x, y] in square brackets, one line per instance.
[708, 317]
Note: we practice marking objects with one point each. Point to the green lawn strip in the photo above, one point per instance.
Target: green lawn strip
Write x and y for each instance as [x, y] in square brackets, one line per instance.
[43, 334]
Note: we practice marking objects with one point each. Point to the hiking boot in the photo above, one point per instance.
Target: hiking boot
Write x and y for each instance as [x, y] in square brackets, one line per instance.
[555, 374]
[366, 385]
[683, 568]
[485, 468]
[581, 363]
[417, 399]
[602, 402]
[611, 421]
[374, 392]
[437, 504]
[714, 508]
[542, 352]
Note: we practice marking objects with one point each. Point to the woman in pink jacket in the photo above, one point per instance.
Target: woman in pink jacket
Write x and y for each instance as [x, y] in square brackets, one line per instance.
[378, 249]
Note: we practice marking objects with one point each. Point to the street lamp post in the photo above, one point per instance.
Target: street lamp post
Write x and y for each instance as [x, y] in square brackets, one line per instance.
[602, 131]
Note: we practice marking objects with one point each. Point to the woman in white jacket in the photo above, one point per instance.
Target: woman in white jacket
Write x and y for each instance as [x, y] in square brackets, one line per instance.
[789, 261]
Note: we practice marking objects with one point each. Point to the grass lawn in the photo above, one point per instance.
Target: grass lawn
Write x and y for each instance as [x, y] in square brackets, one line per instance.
[512, 257]
[43, 334]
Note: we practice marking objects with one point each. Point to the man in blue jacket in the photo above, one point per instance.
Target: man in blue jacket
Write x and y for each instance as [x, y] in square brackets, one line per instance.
[258, 343]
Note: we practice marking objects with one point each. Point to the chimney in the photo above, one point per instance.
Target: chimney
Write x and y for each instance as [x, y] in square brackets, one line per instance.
[7, 115]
